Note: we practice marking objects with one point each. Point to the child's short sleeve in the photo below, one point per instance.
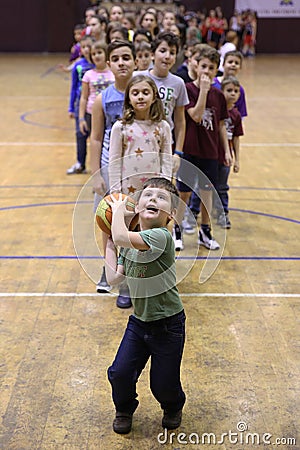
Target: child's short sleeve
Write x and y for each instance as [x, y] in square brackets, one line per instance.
[157, 239]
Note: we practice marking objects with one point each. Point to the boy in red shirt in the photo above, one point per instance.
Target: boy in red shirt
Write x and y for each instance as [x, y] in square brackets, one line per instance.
[231, 89]
[205, 131]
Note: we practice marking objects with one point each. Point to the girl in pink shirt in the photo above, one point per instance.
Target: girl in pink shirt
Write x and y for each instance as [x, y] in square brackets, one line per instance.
[94, 81]
[140, 143]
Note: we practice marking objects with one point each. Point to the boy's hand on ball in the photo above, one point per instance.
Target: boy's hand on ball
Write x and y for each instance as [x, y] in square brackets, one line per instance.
[120, 202]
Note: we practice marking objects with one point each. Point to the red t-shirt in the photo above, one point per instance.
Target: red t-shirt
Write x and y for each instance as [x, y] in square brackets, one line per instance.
[202, 140]
[234, 128]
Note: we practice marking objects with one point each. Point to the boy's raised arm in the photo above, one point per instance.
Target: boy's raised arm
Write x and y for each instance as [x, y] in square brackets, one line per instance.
[114, 272]
[196, 112]
[120, 234]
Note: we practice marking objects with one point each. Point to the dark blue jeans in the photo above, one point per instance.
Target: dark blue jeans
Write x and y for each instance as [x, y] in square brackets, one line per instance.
[223, 188]
[81, 139]
[163, 342]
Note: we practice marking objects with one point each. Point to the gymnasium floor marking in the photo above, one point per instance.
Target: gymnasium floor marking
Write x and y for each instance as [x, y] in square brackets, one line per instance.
[59, 144]
[35, 144]
[180, 258]
[24, 118]
[186, 295]
[36, 205]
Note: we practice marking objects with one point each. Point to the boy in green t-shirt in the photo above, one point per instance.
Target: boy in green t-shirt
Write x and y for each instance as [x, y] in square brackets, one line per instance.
[157, 327]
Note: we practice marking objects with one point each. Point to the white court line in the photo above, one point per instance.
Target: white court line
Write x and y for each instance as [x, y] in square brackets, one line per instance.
[272, 144]
[190, 294]
[38, 97]
[57, 144]
[263, 99]
[35, 144]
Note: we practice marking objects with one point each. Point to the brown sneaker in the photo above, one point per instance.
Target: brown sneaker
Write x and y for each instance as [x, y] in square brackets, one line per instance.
[122, 423]
[171, 420]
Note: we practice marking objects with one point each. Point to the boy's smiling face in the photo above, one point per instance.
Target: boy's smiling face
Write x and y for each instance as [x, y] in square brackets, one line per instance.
[164, 58]
[154, 207]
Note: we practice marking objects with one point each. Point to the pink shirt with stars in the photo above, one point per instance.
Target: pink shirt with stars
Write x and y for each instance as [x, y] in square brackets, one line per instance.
[138, 152]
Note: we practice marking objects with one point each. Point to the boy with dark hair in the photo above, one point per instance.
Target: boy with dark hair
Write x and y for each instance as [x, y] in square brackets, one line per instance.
[143, 58]
[157, 327]
[231, 90]
[231, 67]
[80, 68]
[107, 109]
[205, 115]
[171, 88]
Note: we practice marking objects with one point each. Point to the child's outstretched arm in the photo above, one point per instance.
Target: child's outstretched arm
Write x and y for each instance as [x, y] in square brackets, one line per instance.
[114, 272]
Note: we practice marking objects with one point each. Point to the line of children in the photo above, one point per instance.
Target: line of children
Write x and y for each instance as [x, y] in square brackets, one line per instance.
[205, 127]
[107, 109]
[231, 89]
[232, 66]
[142, 132]
[80, 68]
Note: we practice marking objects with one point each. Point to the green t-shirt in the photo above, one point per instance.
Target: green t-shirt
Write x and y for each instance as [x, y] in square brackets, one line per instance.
[151, 276]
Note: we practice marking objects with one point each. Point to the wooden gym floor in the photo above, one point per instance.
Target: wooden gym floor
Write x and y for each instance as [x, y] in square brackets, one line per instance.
[240, 368]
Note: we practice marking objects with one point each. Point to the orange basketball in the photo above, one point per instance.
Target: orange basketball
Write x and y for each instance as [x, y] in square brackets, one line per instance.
[104, 213]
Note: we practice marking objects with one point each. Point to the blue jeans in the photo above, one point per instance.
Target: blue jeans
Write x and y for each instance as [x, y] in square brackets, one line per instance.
[81, 139]
[163, 341]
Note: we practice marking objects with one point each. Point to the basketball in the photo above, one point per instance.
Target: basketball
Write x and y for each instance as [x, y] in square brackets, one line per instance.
[104, 213]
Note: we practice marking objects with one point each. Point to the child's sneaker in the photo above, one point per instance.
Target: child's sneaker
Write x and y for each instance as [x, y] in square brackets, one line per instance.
[122, 423]
[123, 299]
[206, 239]
[188, 227]
[102, 286]
[177, 238]
[170, 421]
[223, 221]
[76, 168]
